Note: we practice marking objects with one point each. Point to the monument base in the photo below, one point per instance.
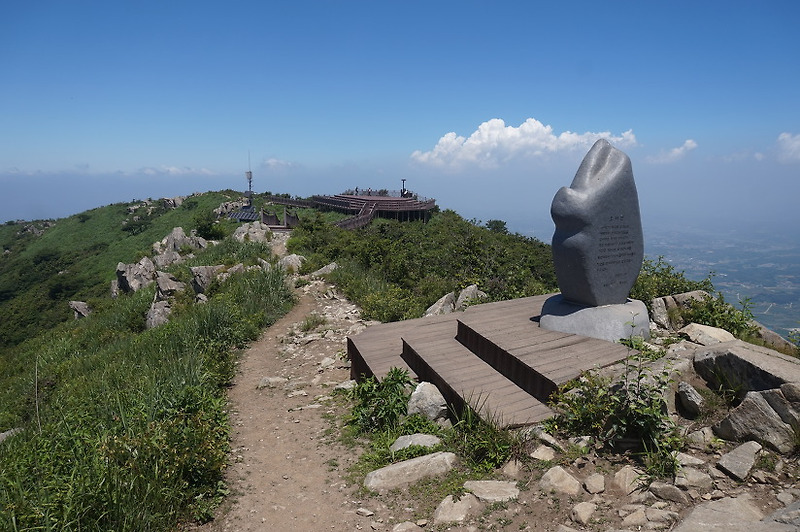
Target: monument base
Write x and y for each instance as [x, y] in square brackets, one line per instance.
[608, 322]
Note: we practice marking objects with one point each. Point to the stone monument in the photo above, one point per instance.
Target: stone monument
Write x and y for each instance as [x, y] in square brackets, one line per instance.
[598, 249]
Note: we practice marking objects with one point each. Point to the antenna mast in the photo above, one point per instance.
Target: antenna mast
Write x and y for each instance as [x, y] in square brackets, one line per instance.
[249, 176]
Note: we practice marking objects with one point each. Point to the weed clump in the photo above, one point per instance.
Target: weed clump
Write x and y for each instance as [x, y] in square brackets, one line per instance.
[629, 413]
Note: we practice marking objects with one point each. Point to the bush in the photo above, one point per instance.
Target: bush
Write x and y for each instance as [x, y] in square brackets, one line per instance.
[380, 405]
[659, 278]
[628, 412]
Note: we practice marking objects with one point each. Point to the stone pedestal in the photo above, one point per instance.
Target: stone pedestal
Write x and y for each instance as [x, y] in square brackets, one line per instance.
[606, 322]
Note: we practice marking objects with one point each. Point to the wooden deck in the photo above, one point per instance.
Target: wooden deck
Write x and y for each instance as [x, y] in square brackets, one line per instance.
[494, 357]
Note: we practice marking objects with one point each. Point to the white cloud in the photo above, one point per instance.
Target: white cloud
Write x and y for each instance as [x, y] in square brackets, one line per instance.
[174, 171]
[277, 164]
[789, 147]
[674, 154]
[494, 143]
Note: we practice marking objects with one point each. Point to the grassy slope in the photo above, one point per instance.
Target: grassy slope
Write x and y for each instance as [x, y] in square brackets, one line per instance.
[123, 428]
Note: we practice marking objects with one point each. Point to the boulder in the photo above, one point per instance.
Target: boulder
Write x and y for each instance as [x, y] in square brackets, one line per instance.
[422, 440]
[741, 365]
[738, 462]
[595, 483]
[158, 314]
[667, 309]
[178, 240]
[729, 514]
[252, 232]
[492, 490]
[325, 270]
[134, 277]
[427, 400]
[628, 479]
[755, 419]
[203, 276]
[291, 263]
[582, 512]
[689, 399]
[691, 477]
[705, 334]
[668, 492]
[444, 305]
[559, 480]
[468, 296]
[167, 258]
[80, 309]
[457, 511]
[408, 472]
[167, 285]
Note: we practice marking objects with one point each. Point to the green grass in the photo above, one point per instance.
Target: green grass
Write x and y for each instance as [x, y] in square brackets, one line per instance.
[126, 428]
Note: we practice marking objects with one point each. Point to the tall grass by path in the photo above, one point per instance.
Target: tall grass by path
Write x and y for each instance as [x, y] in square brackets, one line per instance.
[132, 429]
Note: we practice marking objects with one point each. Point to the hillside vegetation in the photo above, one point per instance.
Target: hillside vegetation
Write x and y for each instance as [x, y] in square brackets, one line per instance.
[122, 428]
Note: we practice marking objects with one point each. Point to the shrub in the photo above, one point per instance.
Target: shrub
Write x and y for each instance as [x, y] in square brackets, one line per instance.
[380, 405]
[629, 411]
[716, 312]
[659, 278]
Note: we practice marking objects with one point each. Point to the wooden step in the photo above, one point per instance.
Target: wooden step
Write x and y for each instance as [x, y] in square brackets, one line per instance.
[535, 359]
[435, 356]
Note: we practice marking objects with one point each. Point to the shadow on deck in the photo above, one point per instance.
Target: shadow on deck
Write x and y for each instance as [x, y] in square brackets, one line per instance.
[493, 356]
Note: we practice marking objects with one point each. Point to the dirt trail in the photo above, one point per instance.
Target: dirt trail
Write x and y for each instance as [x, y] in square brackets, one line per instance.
[287, 468]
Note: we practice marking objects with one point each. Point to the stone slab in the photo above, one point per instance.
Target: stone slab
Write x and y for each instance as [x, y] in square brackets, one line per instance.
[608, 322]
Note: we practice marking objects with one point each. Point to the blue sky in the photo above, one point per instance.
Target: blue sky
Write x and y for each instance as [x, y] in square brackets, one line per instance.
[486, 106]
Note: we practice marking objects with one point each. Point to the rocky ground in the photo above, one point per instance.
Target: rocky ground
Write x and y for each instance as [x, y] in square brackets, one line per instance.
[290, 470]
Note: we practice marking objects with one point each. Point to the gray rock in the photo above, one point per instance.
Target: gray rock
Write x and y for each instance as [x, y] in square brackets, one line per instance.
[80, 309]
[685, 460]
[557, 479]
[252, 232]
[158, 314]
[134, 277]
[8, 433]
[690, 477]
[408, 472]
[346, 385]
[582, 512]
[271, 382]
[690, 399]
[325, 270]
[705, 334]
[167, 286]
[667, 310]
[595, 483]
[598, 245]
[422, 440]
[456, 511]
[167, 258]
[700, 439]
[493, 490]
[755, 419]
[177, 241]
[468, 296]
[427, 400]
[291, 263]
[544, 453]
[628, 479]
[741, 365]
[786, 516]
[668, 492]
[740, 460]
[609, 322]
[407, 526]
[444, 305]
[729, 515]
[636, 519]
[203, 276]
